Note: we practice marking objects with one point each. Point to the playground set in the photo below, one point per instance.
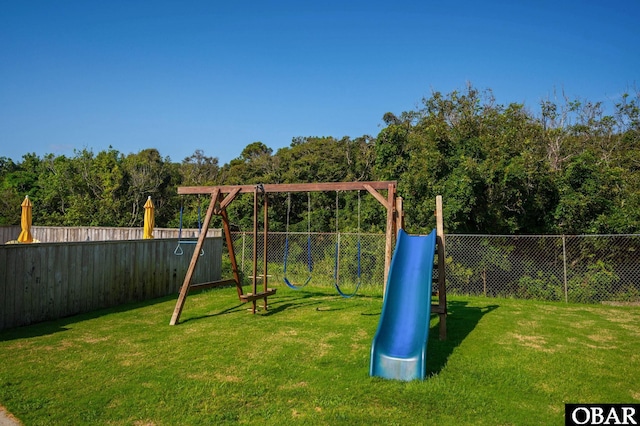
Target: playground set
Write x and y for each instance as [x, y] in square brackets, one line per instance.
[399, 346]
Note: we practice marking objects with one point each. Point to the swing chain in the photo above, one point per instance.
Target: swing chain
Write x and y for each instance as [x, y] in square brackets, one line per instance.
[178, 250]
[337, 254]
[286, 245]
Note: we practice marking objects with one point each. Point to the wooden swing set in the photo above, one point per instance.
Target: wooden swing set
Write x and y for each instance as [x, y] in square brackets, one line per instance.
[223, 196]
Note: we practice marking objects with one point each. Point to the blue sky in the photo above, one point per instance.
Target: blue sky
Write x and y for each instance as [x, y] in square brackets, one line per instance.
[186, 75]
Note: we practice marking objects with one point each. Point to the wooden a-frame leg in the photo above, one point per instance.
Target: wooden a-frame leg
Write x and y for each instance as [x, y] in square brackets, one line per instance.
[232, 253]
[184, 290]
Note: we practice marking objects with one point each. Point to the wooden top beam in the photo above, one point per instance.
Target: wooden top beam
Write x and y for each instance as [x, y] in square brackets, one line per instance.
[288, 187]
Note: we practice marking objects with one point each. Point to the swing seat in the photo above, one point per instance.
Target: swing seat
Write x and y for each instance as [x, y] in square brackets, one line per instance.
[250, 297]
[295, 286]
[286, 246]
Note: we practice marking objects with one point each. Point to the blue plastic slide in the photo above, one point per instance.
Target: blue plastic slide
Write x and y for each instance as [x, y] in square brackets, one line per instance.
[399, 348]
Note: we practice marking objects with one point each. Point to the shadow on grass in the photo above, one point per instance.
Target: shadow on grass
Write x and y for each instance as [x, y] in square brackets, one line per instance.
[324, 297]
[292, 302]
[60, 325]
[281, 302]
[461, 320]
[276, 304]
[236, 308]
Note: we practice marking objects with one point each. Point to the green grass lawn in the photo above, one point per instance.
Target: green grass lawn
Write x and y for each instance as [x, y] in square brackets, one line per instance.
[306, 361]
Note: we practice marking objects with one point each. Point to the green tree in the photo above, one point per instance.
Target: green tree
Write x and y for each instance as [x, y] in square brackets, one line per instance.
[149, 174]
[59, 183]
[482, 157]
[254, 165]
[326, 159]
[10, 197]
[200, 170]
[588, 190]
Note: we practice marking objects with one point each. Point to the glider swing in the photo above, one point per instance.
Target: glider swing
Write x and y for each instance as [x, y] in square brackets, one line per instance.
[286, 245]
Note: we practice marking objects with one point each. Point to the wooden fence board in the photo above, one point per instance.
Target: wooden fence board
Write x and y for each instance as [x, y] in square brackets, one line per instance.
[27, 276]
[20, 290]
[9, 233]
[142, 273]
[11, 287]
[130, 278]
[148, 270]
[134, 284]
[158, 260]
[3, 287]
[159, 270]
[41, 284]
[172, 264]
[108, 279]
[49, 281]
[84, 290]
[118, 263]
[125, 278]
[65, 268]
[38, 291]
[53, 234]
[56, 275]
[75, 282]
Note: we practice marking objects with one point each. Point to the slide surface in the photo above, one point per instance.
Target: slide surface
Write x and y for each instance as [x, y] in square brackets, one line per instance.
[399, 348]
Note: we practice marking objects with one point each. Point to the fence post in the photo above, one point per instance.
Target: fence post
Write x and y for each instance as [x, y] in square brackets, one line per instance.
[564, 264]
[242, 261]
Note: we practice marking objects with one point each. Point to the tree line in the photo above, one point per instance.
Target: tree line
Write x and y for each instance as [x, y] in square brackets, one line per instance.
[569, 167]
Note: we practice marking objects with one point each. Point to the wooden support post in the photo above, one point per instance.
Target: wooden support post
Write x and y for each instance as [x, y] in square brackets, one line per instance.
[232, 252]
[442, 290]
[388, 245]
[255, 295]
[184, 290]
[390, 204]
[399, 223]
[265, 249]
[254, 283]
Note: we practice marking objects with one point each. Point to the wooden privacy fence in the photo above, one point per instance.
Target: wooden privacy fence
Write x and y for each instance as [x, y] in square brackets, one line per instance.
[41, 282]
[59, 234]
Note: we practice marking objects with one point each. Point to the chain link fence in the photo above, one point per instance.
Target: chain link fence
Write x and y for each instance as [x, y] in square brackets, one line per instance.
[326, 258]
[579, 269]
